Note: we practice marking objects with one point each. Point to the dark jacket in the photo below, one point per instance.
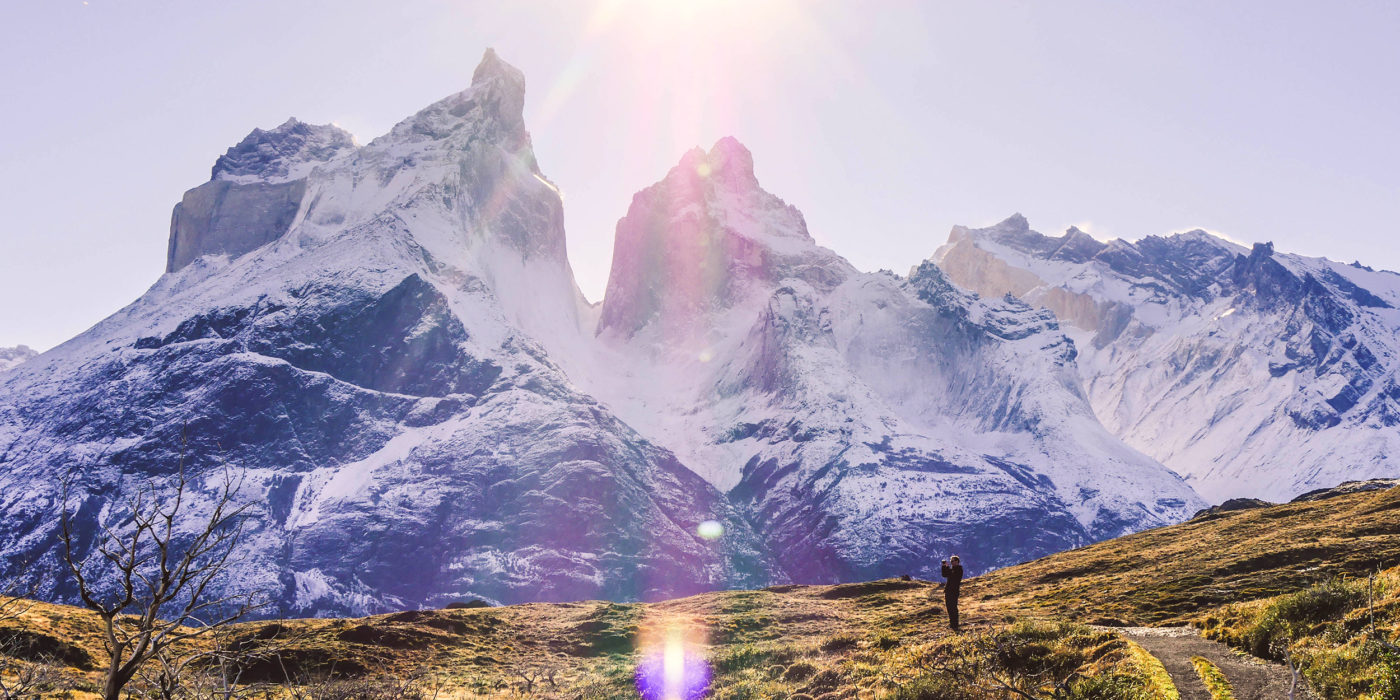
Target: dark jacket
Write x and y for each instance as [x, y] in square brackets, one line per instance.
[954, 575]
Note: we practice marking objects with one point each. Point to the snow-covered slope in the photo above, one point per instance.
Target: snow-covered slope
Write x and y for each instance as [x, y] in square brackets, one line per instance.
[15, 356]
[376, 374]
[867, 424]
[1251, 372]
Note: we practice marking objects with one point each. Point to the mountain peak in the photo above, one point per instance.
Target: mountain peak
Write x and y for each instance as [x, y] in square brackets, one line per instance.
[495, 103]
[730, 159]
[727, 162]
[493, 67]
[286, 152]
[1015, 223]
[703, 238]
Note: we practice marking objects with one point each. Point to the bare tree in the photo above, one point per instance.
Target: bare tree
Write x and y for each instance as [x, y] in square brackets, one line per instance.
[537, 672]
[14, 599]
[150, 572]
[1295, 672]
[23, 680]
[214, 671]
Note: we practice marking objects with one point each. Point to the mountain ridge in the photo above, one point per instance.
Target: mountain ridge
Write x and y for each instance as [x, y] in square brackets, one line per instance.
[1220, 360]
[388, 342]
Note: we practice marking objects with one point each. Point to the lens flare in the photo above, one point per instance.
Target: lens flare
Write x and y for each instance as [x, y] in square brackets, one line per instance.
[673, 667]
[710, 530]
[676, 671]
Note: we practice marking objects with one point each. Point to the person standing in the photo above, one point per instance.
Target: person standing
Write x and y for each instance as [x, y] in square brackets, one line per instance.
[952, 588]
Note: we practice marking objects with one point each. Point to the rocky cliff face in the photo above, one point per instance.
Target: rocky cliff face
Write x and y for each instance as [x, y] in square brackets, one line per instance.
[254, 194]
[1251, 372]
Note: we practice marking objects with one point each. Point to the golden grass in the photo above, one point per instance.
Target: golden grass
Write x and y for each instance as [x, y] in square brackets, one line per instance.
[870, 640]
[1214, 678]
[1158, 681]
[1170, 575]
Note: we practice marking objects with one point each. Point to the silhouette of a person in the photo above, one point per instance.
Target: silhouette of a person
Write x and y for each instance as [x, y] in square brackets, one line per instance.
[954, 575]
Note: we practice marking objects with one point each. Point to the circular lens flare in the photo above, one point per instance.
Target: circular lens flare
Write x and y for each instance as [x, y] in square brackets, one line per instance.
[710, 530]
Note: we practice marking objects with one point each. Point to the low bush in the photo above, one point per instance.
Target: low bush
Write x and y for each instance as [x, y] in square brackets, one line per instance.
[840, 642]
[1341, 633]
[749, 656]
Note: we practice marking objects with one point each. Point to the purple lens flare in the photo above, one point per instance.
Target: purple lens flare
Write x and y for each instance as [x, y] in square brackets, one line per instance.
[676, 671]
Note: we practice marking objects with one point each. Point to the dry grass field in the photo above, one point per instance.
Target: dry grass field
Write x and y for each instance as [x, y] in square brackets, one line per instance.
[1242, 577]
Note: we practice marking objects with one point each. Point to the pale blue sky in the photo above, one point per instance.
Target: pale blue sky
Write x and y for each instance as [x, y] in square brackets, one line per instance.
[885, 122]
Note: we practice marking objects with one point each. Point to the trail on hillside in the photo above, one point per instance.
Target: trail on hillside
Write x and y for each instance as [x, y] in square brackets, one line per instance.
[1252, 679]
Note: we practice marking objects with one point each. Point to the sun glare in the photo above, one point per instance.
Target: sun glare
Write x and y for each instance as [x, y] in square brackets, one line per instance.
[691, 65]
[673, 665]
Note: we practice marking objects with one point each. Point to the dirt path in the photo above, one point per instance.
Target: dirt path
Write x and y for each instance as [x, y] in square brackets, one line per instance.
[1252, 679]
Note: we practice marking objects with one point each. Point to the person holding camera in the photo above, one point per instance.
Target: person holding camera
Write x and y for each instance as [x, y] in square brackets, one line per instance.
[954, 575]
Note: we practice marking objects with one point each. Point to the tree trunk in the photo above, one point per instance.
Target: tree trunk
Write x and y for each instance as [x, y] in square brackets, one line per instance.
[113, 689]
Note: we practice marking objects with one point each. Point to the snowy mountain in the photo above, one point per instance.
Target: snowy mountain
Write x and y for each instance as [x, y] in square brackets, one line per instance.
[369, 365]
[866, 424]
[1249, 371]
[386, 344]
[15, 356]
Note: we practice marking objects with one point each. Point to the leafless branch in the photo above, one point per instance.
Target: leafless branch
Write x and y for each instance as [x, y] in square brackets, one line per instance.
[26, 680]
[149, 575]
[418, 685]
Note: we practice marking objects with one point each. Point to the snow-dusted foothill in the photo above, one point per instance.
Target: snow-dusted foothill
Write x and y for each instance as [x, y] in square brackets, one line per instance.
[1252, 372]
[15, 356]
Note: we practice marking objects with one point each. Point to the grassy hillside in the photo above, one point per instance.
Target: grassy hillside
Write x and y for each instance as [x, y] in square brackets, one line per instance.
[867, 639]
[1224, 573]
[1173, 574]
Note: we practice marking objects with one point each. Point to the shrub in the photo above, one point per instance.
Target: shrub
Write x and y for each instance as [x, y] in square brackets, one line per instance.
[746, 656]
[468, 605]
[1109, 686]
[1387, 684]
[1347, 672]
[1321, 603]
[1292, 616]
[799, 671]
[840, 642]
[934, 687]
